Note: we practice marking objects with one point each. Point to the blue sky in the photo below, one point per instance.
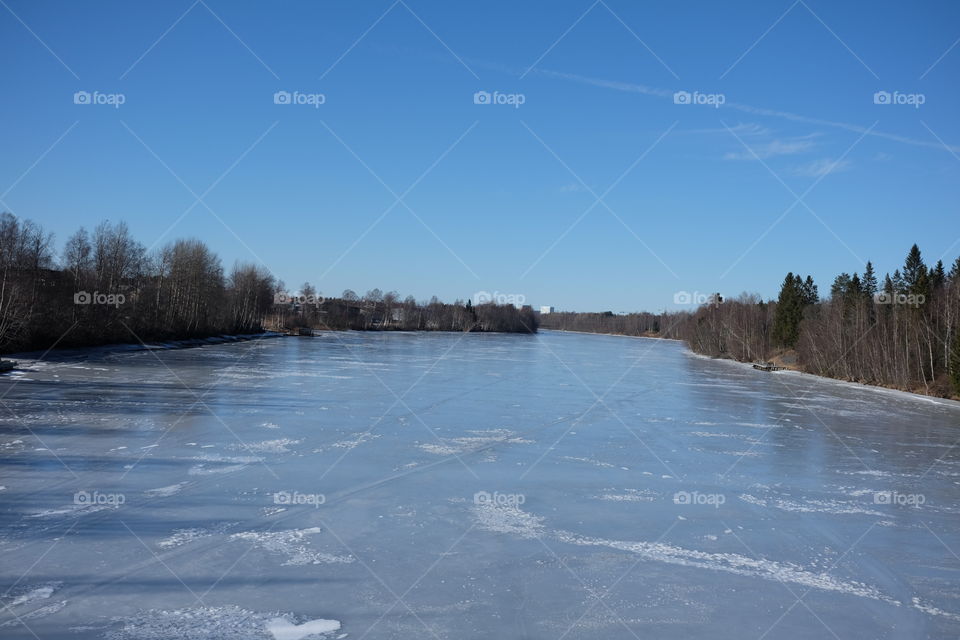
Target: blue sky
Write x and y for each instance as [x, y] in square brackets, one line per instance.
[799, 169]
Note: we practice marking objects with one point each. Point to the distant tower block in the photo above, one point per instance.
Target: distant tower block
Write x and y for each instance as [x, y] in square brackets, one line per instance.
[544, 310]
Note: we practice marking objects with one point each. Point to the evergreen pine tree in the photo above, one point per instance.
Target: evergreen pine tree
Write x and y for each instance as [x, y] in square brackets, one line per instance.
[898, 282]
[913, 269]
[937, 276]
[810, 293]
[795, 294]
[840, 286]
[785, 301]
[855, 289]
[889, 291]
[869, 280]
[923, 286]
[955, 270]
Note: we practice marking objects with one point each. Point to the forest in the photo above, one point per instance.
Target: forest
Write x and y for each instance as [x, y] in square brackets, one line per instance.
[105, 287]
[900, 331]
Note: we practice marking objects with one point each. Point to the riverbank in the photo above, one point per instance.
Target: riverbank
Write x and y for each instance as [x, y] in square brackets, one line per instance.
[189, 343]
[650, 335]
[789, 365]
[796, 368]
[165, 345]
[794, 372]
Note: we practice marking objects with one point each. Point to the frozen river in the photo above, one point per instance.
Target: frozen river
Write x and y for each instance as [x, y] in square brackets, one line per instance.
[469, 486]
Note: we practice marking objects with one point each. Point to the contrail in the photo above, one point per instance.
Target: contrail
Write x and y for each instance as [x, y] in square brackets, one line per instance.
[745, 108]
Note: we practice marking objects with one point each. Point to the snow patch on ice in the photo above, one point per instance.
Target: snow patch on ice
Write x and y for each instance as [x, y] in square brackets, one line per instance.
[49, 609]
[749, 453]
[440, 449]
[933, 611]
[732, 563]
[30, 594]
[512, 520]
[507, 519]
[183, 536]
[217, 623]
[283, 629]
[74, 510]
[596, 463]
[203, 470]
[467, 444]
[757, 425]
[349, 444]
[710, 434]
[280, 445]
[810, 506]
[878, 474]
[216, 457]
[629, 495]
[234, 463]
[291, 544]
[856, 493]
[164, 492]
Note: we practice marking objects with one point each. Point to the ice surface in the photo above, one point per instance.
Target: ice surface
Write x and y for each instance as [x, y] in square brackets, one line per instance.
[469, 486]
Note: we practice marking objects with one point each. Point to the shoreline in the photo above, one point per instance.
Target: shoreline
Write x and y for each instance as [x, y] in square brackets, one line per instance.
[787, 371]
[224, 338]
[133, 347]
[939, 400]
[615, 335]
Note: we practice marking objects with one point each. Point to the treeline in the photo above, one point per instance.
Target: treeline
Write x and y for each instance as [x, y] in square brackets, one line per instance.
[630, 324]
[901, 331]
[106, 287]
[378, 311]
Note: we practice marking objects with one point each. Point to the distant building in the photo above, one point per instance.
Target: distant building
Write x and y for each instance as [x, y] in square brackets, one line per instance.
[544, 310]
